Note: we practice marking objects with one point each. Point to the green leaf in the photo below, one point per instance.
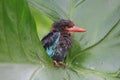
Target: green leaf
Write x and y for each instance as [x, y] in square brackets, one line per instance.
[97, 49]
[95, 53]
[19, 41]
[43, 23]
[10, 71]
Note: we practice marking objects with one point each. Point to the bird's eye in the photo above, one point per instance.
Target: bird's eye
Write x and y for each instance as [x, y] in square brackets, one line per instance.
[66, 28]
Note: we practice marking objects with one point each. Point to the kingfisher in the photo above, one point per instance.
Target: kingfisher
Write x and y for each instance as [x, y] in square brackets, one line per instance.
[59, 40]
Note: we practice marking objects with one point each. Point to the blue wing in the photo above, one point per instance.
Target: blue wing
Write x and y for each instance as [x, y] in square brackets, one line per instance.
[50, 42]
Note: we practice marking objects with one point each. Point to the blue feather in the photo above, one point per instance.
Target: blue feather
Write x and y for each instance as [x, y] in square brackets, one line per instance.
[51, 49]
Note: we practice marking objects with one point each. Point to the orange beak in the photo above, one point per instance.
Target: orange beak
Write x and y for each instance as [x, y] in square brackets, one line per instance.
[75, 29]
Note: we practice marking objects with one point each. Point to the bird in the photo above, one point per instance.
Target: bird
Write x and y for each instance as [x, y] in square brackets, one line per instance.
[59, 40]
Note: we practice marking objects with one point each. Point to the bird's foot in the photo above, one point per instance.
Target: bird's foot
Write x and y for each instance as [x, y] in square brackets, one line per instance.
[56, 64]
[63, 64]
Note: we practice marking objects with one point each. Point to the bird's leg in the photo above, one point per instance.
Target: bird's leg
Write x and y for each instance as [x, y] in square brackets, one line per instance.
[63, 64]
[56, 64]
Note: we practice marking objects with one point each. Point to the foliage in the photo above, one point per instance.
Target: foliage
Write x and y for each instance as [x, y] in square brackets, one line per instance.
[94, 56]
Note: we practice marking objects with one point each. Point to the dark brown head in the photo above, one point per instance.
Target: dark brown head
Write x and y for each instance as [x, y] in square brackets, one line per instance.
[66, 26]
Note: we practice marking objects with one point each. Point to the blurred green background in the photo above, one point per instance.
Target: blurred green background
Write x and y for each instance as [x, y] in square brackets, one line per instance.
[95, 54]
